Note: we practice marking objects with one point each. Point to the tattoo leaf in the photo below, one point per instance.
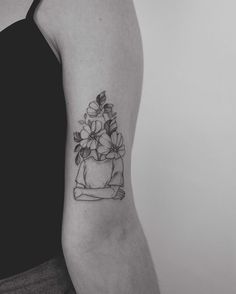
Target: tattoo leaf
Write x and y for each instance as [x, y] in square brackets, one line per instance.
[108, 107]
[77, 137]
[110, 126]
[84, 152]
[90, 123]
[77, 148]
[77, 159]
[101, 98]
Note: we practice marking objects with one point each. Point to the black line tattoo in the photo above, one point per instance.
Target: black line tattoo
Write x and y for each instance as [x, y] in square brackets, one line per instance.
[99, 154]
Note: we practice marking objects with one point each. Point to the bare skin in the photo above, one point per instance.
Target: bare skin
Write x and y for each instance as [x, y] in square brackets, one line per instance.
[12, 11]
[98, 43]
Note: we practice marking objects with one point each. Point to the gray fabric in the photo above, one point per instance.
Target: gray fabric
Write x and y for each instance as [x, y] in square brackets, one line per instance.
[50, 277]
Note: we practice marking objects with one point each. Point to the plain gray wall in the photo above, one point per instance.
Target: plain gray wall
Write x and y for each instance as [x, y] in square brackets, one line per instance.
[184, 161]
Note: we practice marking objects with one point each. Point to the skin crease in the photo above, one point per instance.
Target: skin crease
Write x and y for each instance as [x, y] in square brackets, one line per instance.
[99, 45]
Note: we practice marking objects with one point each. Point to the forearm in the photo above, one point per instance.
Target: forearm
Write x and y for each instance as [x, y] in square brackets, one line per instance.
[101, 193]
[120, 264]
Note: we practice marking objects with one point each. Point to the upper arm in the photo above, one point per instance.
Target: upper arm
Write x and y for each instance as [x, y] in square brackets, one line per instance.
[99, 45]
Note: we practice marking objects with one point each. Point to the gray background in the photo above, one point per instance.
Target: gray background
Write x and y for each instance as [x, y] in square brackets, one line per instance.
[184, 161]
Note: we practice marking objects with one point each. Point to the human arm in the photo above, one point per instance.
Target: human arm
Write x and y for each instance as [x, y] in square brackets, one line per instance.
[99, 46]
[85, 194]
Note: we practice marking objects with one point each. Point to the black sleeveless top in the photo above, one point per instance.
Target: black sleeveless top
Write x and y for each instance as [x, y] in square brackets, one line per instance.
[32, 148]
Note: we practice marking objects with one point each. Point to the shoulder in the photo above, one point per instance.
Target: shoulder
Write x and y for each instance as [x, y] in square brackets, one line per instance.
[84, 29]
[60, 18]
[61, 14]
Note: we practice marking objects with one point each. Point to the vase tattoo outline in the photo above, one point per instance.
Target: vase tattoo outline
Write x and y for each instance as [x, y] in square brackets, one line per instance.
[99, 154]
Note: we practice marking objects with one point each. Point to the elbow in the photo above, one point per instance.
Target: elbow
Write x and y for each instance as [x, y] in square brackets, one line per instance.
[94, 237]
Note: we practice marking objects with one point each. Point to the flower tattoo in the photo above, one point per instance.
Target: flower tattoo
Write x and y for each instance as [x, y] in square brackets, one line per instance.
[90, 135]
[112, 146]
[99, 154]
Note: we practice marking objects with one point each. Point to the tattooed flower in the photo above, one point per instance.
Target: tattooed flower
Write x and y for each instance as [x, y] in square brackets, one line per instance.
[94, 109]
[113, 146]
[90, 135]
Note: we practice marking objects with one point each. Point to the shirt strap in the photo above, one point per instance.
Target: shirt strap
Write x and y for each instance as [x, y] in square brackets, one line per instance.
[31, 11]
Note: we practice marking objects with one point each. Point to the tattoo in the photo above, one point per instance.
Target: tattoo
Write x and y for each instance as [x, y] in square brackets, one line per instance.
[99, 154]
